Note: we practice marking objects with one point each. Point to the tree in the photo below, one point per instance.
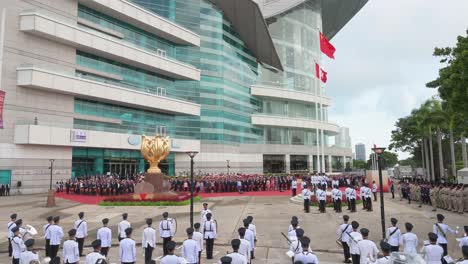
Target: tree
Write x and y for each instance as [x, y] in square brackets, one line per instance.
[391, 158]
[359, 164]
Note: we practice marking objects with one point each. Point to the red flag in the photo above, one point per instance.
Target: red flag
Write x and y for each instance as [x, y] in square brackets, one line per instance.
[324, 76]
[317, 70]
[326, 47]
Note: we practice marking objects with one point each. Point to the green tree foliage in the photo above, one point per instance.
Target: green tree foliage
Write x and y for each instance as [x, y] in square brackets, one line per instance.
[359, 164]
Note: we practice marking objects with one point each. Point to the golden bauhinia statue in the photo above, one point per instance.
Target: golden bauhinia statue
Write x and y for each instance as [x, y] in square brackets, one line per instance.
[154, 150]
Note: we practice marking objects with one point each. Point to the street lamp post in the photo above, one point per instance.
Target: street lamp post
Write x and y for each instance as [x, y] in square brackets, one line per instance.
[378, 152]
[228, 167]
[51, 194]
[51, 169]
[192, 155]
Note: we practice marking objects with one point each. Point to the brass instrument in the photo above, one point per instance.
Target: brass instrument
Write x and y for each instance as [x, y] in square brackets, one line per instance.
[154, 150]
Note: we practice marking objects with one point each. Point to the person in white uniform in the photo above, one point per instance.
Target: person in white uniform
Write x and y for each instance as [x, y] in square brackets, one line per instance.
[10, 226]
[70, 252]
[198, 236]
[385, 258]
[367, 249]
[432, 253]
[442, 230]
[321, 198]
[465, 255]
[354, 238]
[170, 258]
[209, 230]
[237, 258]
[393, 236]
[294, 218]
[249, 235]
[294, 187]
[409, 240]
[127, 248]
[122, 226]
[148, 241]
[343, 235]
[93, 257]
[50, 221]
[305, 256]
[166, 231]
[306, 193]
[190, 248]
[245, 247]
[204, 212]
[55, 232]
[464, 239]
[29, 255]
[17, 245]
[105, 235]
[81, 231]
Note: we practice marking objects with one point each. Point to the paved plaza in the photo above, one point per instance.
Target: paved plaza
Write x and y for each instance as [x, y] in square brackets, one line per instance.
[271, 216]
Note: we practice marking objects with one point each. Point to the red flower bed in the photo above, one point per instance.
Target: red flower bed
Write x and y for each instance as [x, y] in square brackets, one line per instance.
[149, 197]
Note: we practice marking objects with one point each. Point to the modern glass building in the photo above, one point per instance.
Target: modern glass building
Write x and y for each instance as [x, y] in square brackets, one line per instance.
[233, 80]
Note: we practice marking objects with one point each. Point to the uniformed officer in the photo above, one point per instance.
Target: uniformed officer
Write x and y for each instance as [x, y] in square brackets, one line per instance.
[465, 255]
[441, 230]
[149, 240]
[306, 193]
[190, 248]
[17, 245]
[296, 246]
[128, 248]
[93, 257]
[252, 228]
[249, 235]
[170, 258]
[409, 240]
[50, 221]
[209, 231]
[122, 226]
[204, 212]
[354, 238]
[393, 235]
[305, 256]
[374, 190]
[81, 231]
[236, 257]
[432, 253]
[294, 186]
[198, 236]
[10, 235]
[385, 258]
[105, 235]
[321, 198]
[464, 239]
[166, 231]
[70, 252]
[29, 255]
[338, 197]
[352, 198]
[343, 235]
[226, 260]
[55, 232]
[245, 246]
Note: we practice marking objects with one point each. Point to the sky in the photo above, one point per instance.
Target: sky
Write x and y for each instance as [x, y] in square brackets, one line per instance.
[383, 61]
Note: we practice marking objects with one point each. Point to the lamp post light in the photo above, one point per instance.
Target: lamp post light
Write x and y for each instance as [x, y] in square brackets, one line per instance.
[192, 155]
[228, 166]
[378, 152]
[51, 194]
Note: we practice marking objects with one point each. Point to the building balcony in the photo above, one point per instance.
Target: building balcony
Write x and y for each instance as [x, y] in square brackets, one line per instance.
[288, 94]
[36, 78]
[285, 121]
[105, 46]
[60, 135]
[144, 19]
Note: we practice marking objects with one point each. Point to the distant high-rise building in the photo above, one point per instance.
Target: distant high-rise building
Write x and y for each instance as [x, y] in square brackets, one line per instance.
[360, 150]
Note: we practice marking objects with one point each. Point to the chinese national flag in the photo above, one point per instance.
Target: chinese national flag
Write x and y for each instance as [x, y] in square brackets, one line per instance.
[317, 70]
[326, 47]
[324, 76]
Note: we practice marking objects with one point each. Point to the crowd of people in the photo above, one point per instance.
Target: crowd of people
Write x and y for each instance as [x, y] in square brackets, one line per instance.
[98, 185]
[5, 190]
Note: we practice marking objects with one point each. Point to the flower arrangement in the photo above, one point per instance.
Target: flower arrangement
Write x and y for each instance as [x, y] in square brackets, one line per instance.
[149, 199]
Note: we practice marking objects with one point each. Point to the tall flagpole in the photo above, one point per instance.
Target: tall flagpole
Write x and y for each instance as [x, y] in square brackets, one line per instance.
[2, 42]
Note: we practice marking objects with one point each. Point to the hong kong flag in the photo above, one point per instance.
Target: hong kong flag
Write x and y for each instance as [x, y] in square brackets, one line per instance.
[320, 73]
[324, 76]
[317, 70]
[326, 47]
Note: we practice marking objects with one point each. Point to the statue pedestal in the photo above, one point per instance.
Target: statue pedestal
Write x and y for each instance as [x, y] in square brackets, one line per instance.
[51, 198]
[153, 183]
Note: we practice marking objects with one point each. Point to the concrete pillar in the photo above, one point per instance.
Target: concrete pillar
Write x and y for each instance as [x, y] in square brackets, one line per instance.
[99, 165]
[310, 162]
[287, 161]
[323, 150]
[344, 163]
[330, 169]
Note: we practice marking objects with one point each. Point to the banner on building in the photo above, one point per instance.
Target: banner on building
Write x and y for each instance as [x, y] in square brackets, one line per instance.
[2, 101]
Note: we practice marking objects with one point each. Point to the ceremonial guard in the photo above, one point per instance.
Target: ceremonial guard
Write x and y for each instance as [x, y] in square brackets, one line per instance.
[10, 234]
[226, 260]
[81, 231]
[170, 258]
[29, 255]
[190, 248]
[252, 228]
[305, 256]
[198, 236]
[368, 195]
[464, 239]
[17, 245]
[409, 240]
[127, 248]
[55, 232]
[71, 253]
[306, 193]
[465, 255]
[354, 238]
[432, 253]
[347, 194]
[352, 199]
[337, 196]
[105, 235]
[122, 226]
[385, 258]
[148, 241]
[393, 236]
[362, 191]
[50, 222]
[367, 249]
[321, 198]
[296, 246]
[166, 231]
[245, 248]
[209, 231]
[93, 257]
[296, 220]
[236, 257]
[204, 212]
[441, 230]
[343, 236]
[294, 186]
[374, 190]
[249, 235]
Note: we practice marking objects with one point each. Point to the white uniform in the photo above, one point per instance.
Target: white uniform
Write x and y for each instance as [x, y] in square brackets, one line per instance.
[166, 229]
[18, 247]
[237, 258]
[203, 215]
[344, 230]
[306, 194]
[394, 239]
[306, 257]
[442, 237]
[374, 188]
[354, 239]
[367, 249]
[105, 235]
[410, 242]
[170, 259]
[55, 233]
[197, 236]
[127, 250]
[249, 236]
[463, 241]
[190, 249]
[124, 224]
[245, 248]
[210, 230]
[81, 228]
[10, 226]
[27, 256]
[92, 257]
[148, 237]
[432, 254]
[463, 262]
[70, 251]
[383, 260]
[294, 184]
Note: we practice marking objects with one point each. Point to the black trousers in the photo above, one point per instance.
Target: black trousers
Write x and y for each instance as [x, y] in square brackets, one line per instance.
[14, 261]
[10, 249]
[306, 205]
[348, 201]
[209, 248]
[128, 262]
[165, 241]
[80, 242]
[353, 205]
[356, 258]
[322, 206]
[294, 192]
[346, 250]
[148, 254]
[47, 247]
[394, 248]
[369, 203]
[338, 205]
[104, 251]
[199, 257]
[444, 246]
[53, 250]
[375, 196]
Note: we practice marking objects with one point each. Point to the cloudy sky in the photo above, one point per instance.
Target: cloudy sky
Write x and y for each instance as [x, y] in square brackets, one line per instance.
[383, 60]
